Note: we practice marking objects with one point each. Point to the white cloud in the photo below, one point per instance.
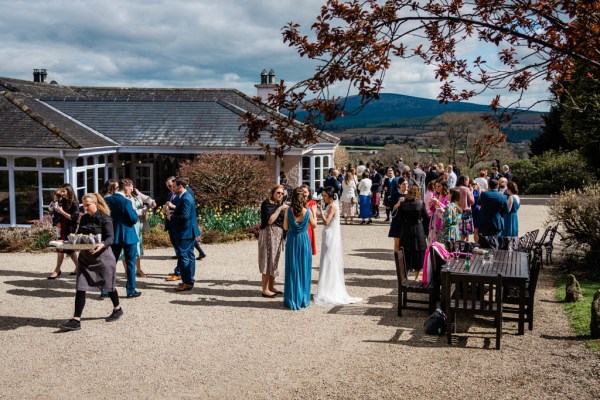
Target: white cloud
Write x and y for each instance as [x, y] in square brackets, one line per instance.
[177, 43]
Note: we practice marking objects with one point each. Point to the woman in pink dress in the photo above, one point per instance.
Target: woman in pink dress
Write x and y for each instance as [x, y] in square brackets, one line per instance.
[438, 203]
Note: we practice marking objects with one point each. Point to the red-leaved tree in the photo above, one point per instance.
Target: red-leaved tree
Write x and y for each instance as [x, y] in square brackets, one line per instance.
[356, 41]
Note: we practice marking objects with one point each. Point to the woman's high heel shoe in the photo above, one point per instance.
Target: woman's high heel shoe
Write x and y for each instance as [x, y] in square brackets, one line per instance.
[54, 277]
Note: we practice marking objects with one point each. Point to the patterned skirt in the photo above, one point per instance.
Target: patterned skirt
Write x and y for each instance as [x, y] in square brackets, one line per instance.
[269, 249]
[348, 209]
[466, 223]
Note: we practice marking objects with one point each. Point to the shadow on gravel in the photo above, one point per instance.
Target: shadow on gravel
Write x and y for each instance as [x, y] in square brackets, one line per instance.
[11, 323]
[273, 304]
[369, 272]
[25, 274]
[571, 338]
[374, 254]
[41, 293]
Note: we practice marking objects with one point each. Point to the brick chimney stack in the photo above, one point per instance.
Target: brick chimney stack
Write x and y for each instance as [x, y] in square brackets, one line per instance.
[267, 85]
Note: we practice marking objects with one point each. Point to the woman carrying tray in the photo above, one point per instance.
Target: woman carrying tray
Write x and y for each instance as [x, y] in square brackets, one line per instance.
[96, 269]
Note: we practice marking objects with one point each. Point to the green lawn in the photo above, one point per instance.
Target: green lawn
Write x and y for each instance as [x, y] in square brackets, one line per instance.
[580, 313]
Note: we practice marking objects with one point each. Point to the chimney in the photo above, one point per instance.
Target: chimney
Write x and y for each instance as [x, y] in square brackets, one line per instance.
[43, 75]
[267, 85]
[36, 75]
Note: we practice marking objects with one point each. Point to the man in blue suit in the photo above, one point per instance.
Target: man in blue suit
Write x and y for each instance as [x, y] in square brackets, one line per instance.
[494, 206]
[124, 218]
[185, 231]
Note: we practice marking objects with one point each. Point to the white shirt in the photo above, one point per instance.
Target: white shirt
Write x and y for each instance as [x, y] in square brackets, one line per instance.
[483, 184]
[364, 187]
[451, 179]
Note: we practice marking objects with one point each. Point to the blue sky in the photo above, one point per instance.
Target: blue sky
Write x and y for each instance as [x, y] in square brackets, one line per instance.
[176, 43]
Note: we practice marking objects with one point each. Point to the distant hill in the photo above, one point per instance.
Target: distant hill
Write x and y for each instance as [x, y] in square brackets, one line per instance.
[400, 111]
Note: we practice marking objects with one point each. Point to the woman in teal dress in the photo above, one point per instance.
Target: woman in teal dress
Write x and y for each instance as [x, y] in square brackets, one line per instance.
[298, 252]
[451, 219]
[510, 232]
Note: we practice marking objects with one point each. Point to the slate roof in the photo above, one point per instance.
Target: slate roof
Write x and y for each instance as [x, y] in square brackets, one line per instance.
[135, 116]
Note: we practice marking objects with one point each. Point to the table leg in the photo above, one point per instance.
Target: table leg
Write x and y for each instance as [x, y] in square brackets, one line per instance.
[522, 308]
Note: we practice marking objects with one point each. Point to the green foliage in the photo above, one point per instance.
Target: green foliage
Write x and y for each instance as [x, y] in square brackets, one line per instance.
[581, 116]
[552, 136]
[579, 312]
[228, 220]
[552, 172]
[233, 180]
[578, 212]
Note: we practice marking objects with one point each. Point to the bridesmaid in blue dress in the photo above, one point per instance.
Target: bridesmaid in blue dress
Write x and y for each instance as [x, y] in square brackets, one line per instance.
[510, 233]
[298, 252]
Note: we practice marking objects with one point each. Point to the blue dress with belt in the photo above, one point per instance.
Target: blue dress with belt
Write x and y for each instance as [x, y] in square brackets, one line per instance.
[298, 263]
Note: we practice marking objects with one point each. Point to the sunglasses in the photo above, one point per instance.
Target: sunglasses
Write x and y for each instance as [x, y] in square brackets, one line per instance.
[278, 192]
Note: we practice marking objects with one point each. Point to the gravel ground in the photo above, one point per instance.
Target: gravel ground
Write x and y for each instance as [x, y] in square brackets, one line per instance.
[222, 340]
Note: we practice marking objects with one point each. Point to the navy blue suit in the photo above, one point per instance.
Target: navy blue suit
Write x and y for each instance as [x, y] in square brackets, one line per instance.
[184, 231]
[124, 218]
[493, 206]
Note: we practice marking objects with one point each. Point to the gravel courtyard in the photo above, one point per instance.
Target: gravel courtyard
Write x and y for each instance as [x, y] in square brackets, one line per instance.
[223, 340]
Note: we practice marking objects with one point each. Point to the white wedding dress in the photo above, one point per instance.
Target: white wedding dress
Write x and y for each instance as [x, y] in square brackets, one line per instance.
[332, 288]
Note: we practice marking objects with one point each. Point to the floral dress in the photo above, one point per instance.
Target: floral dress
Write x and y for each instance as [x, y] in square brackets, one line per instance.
[451, 219]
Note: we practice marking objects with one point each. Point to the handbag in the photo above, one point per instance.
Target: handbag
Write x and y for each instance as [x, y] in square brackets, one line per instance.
[353, 200]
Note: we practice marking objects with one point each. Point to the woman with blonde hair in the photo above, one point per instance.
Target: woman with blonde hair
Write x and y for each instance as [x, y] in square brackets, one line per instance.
[270, 239]
[96, 269]
[349, 197]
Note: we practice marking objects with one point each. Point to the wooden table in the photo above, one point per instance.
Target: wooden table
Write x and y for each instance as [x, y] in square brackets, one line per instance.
[513, 265]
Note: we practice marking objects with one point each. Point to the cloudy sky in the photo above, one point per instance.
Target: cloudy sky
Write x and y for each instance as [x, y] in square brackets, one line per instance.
[175, 43]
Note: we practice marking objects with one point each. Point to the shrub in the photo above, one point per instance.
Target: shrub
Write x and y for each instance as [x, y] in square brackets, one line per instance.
[578, 211]
[233, 180]
[157, 237]
[552, 172]
[226, 220]
[27, 239]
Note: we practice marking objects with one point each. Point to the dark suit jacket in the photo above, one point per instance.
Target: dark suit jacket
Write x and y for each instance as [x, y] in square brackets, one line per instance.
[184, 221]
[493, 206]
[124, 218]
[333, 182]
[173, 198]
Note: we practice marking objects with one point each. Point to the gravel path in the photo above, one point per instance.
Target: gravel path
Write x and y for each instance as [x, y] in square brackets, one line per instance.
[222, 340]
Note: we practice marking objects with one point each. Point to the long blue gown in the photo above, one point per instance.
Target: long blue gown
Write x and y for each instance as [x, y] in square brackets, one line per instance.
[511, 222]
[298, 264]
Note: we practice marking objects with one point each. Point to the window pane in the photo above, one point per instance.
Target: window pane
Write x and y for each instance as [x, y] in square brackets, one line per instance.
[101, 160]
[52, 162]
[4, 200]
[90, 161]
[50, 182]
[305, 162]
[305, 175]
[100, 179]
[110, 158]
[90, 181]
[326, 162]
[80, 162]
[3, 162]
[26, 196]
[317, 162]
[80, 178]
[25, 162]
[80, 193]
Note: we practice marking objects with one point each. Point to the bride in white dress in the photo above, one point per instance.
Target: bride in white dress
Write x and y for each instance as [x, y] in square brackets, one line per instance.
[332, 288]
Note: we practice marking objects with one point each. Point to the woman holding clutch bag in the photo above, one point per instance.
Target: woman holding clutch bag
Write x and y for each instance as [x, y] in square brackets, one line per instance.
[96, 269]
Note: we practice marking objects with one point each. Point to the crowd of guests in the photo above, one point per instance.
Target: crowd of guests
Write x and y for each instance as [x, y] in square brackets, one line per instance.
[118, 217]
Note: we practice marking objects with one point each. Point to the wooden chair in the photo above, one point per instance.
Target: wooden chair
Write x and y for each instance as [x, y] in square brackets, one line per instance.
[472, 295]
[406, 286]
[544, 239]
[511, 295]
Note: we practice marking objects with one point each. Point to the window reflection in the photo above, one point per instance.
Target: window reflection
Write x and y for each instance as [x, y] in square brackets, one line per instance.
[25, 162]
[26, 196]
[4, 199]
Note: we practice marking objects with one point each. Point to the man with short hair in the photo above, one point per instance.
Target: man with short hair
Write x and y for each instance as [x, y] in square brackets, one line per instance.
[493, 206]
[184, 224]
[124, 218]
[376, 188]
[506, 172]
[419, 177]
[342, 175]
[331, 181]
[451, 177]
[432, 175]
[495, 174]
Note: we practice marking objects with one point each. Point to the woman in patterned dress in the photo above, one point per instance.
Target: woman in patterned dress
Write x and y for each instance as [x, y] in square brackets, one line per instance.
[270, 239]
[451, 220]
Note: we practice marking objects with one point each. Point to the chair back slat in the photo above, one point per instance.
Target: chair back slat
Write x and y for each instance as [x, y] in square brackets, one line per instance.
[401, 272]
[544, 235]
